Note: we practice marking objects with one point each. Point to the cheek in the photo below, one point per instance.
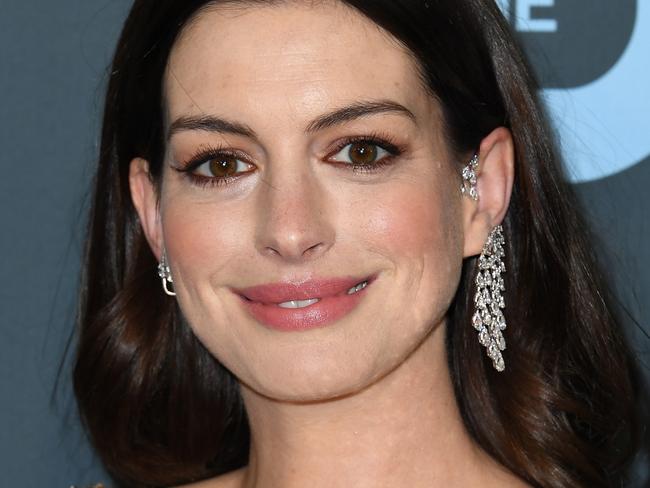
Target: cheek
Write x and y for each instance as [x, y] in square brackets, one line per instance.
[203, 238]
[418, 229]
[206, 241]
[411, 222]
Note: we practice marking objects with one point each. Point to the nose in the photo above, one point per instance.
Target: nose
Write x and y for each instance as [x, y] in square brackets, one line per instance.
[293, 222]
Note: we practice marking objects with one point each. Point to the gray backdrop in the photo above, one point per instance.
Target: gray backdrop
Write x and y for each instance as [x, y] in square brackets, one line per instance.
[590, 54]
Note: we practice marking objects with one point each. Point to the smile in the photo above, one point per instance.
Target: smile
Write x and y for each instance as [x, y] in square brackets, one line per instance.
[307, 305]
[311, 301]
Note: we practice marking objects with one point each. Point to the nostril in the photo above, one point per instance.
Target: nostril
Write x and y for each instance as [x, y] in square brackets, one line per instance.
[313, 248]
[272, 250]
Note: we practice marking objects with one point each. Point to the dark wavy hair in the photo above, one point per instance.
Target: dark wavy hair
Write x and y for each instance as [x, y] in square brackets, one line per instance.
[161, 410]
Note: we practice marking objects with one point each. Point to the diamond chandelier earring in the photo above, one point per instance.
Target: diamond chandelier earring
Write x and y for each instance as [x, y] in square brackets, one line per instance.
[165, 274]
[488, 318]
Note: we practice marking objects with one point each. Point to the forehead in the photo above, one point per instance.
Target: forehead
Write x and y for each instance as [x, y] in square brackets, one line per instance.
[295, 59]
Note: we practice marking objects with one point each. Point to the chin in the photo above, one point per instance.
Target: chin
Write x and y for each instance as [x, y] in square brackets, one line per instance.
[312, 387]
[325, 371]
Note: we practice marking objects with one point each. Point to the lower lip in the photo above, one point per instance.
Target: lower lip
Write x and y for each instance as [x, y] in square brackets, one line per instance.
[320, 314]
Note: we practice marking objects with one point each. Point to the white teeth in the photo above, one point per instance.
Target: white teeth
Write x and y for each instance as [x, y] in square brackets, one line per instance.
[358, 287]
[311, 301]
[298, 303]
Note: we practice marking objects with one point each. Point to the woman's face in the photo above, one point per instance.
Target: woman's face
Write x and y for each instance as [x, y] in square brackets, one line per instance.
[250, 93]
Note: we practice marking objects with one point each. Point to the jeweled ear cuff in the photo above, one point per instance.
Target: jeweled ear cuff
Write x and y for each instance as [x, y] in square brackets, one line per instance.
[165, 274]
[488, 318]
[468, 186]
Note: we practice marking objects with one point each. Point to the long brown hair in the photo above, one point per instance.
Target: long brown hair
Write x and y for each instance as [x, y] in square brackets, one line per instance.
[161, 410]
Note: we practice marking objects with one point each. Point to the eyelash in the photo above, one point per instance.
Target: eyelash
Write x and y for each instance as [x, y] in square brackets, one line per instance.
[203, 156]
[383, 141]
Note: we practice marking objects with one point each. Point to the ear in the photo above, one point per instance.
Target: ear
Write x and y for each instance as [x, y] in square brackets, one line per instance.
[144, 196]
[495, 177]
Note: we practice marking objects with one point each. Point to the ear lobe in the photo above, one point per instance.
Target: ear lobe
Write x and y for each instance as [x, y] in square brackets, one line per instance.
[145, 201]
[495, 179]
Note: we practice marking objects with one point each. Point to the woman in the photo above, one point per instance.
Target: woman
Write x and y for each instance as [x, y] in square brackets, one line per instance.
[353, 208]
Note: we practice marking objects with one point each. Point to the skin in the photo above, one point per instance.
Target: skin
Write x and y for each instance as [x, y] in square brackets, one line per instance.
[366, 401]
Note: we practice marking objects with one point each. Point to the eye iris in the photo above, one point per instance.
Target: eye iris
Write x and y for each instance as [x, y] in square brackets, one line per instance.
[223, 166]
[362, 153]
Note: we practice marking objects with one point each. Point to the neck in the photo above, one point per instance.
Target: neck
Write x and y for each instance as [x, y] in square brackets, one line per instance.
[404, 430]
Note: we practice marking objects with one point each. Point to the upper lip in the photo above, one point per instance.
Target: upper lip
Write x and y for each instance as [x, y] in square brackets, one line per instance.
[303, 290]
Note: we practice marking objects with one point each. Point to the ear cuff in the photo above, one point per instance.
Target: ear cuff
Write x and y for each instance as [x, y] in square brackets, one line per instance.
[468, 186]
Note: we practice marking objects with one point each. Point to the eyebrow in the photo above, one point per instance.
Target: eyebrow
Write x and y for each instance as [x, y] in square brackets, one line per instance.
[209, 123]
[356, 110]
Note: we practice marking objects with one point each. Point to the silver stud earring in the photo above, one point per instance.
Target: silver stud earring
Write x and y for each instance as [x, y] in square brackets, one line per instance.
[468, 186]
[488, 319]
[165, 274]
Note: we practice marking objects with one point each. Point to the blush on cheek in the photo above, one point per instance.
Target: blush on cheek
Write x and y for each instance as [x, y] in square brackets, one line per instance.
[202, 238]
[408, 223]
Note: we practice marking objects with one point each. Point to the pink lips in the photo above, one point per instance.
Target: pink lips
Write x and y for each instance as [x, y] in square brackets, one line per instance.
[334, 302]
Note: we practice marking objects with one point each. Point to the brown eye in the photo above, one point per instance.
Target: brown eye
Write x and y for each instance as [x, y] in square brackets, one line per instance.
[362, 152]
[222, 166]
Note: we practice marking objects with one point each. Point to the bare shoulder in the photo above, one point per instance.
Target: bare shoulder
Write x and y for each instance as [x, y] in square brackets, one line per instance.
[233, 479]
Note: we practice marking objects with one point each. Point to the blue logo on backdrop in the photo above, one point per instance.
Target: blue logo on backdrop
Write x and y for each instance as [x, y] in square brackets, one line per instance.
[592, 60]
